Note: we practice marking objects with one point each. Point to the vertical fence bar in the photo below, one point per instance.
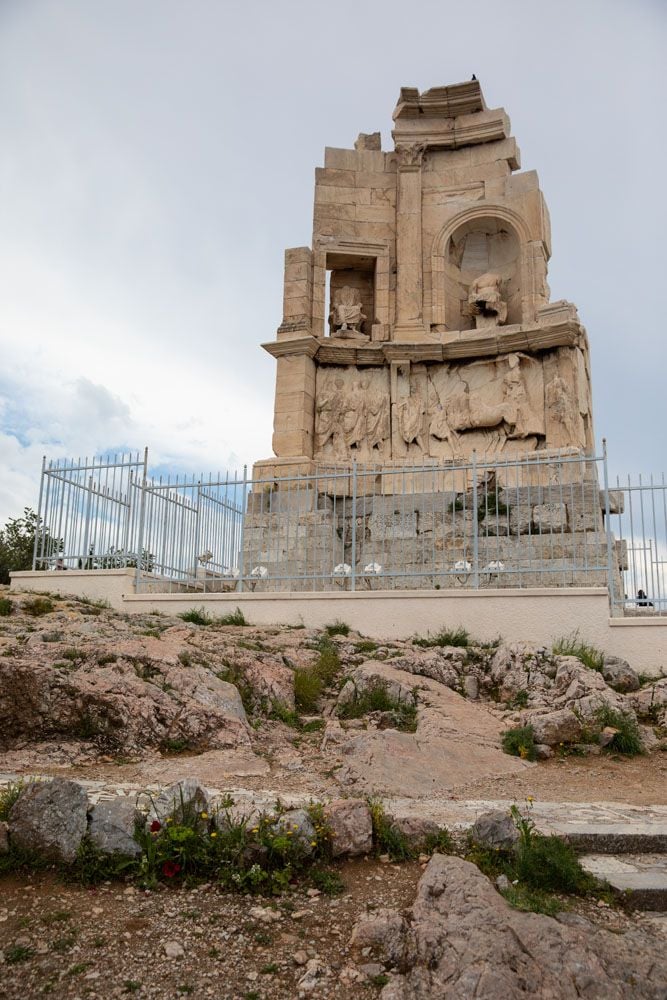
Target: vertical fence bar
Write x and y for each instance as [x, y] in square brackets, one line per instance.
[475, 523]
[353, 554]
[607, 522]
[244, 494]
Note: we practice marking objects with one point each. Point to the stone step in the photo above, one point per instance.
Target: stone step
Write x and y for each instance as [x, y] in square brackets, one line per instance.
[641, 879]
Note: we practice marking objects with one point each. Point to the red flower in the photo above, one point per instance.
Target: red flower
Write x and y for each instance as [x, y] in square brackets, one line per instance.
[156, 825]
[170, 868]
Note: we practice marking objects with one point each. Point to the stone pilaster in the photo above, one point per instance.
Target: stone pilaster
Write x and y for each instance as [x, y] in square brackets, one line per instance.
[409, 323]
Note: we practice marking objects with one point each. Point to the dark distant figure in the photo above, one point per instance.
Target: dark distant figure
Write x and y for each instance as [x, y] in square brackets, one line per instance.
[643, 601]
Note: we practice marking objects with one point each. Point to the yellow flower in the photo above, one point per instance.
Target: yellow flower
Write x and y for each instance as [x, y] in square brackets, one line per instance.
[204, 815]
[289, 833]
[313, 843]
[169, 819]
[214, 834]
[529, 798]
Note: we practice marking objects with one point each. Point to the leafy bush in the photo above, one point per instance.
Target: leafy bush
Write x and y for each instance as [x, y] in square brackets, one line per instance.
[17, 542]
[327, 881]
[519, 742]
[38, 606]
[234, 618]
[337, 628]
[548, 863]
[446, 637]
[573, 646]
[376, 698]
[5, 607]
[196, 616]
[627, 740]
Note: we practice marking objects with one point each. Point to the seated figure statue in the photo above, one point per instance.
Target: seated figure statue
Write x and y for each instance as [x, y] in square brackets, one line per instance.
[485, 301]
[346, 318]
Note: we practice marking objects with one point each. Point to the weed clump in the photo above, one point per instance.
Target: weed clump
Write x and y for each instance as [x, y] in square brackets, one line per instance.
[519, 742]
[196, 616]
[573, 646]
[38, 606]
[5, 607]
[337, 628]
[233, 618]
[8, 797]
[627, 740]
[387, 838]
[308, 687]
[377, 698]
[446, 637]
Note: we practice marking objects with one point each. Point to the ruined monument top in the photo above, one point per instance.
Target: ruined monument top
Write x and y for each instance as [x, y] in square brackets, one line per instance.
[418, 325]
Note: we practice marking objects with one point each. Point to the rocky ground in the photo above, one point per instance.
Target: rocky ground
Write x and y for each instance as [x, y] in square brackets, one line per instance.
[142, 701]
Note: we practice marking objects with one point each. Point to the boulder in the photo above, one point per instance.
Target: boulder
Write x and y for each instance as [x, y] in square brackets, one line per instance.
[415, 829]
[495, 829]
[556, 727]
[382, 935]
[464, 941]
[351, 826]
[50, 819]
[112, 825]
[184, 799]
[619, 674]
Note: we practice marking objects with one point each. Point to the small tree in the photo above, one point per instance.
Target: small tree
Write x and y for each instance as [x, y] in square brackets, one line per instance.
[17, 541]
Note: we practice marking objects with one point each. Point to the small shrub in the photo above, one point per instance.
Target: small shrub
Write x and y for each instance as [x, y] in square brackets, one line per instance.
[73, 654]
[387, 838]
[337, 628]
[38, 606]
[175, 744]
[520, 699]
[185, 658]
[519, 742]
[548, 863]
[234, 618]
[327, 666]
[196, 616]
[440, 843]
[281, 713]
[572, 646]
[446, 637]
[5, 607]
[308, 687]
[627, 740]
[105, 658]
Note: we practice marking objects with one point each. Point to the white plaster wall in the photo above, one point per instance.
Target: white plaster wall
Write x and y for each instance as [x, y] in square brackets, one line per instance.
[98, 584]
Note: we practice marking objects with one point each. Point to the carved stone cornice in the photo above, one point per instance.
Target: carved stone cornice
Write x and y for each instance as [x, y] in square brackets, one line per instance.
[455, 345]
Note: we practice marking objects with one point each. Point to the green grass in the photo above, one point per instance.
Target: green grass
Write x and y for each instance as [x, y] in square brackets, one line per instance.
[73, 654]
[196, 616]
[234, 618]
[327, 881]
[5, 607]
[519, 742]
[573, 646]
[376, 698]
[105, 658]
[446, 637]
[337, 628]
[441, 842]
[18, 953]
[531, 900]
[627, 740]
[365, 646]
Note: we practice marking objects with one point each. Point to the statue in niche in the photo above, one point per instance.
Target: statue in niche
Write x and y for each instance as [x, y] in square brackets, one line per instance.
[412, 420]
[485, 302]
[346, 318]
[377, 416]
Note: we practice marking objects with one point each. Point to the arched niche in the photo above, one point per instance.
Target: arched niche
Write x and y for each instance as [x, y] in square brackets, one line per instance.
[482, 239]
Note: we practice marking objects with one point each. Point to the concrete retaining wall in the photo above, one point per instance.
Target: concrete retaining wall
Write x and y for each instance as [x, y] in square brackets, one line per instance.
[536, 615]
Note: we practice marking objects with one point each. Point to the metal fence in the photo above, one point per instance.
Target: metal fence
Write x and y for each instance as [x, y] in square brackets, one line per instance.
[518, 522]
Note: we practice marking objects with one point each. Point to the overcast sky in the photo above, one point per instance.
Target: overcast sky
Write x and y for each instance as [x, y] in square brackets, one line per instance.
[157, 156]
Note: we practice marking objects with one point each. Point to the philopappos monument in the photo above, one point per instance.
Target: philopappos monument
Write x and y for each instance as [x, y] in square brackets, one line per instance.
[418, 326]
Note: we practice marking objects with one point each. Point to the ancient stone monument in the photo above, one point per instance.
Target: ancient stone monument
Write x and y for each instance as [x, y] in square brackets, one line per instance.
[417, 341]
[418, 327]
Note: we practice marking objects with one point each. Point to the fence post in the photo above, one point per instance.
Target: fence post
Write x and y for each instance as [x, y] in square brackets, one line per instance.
[239, 585]
[142, 516]
[475, 523]
[38, 528]
[353, 555]
[607, 524]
